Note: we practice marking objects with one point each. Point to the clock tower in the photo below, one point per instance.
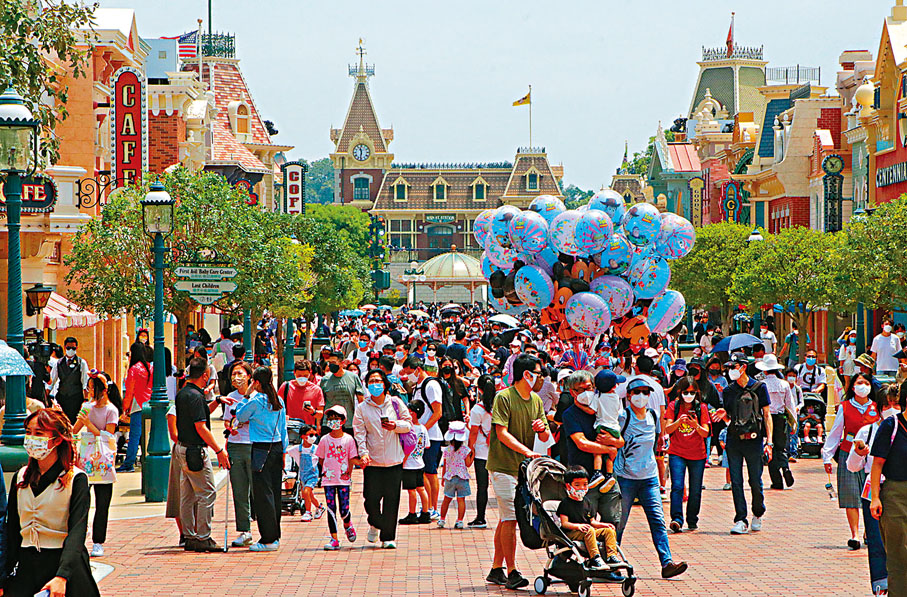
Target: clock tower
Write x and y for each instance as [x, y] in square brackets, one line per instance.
[360, 155]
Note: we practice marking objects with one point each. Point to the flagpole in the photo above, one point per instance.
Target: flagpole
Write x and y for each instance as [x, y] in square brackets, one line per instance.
[198, 50]
[530, 118]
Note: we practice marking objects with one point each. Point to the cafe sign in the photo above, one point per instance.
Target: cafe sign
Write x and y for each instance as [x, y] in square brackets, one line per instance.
[889, 175]
[294, 187]
[440, 218]
[39, 194]
[128, 126]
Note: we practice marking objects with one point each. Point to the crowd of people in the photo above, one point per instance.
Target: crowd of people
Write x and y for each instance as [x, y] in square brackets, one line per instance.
[441, 403]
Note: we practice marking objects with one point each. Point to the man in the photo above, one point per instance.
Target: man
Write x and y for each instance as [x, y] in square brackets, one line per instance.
[193, 428]
[810, 376]
[475, 354]
[769, 340]
[516, 347]
[349, 344]
[360, 355]
[70, 377]
[395, 335]
[383, 340]
[302, 396]
[583, 442]
[746, 410]
[884, 346]
[753, 369]
[429, 391]
[700, 328]
[223, 359]
[791, 346]
[517, 419]
[457, 350]
[341, 387]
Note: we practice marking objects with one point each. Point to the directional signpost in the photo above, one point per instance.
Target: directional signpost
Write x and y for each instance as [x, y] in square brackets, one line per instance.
[205, 281]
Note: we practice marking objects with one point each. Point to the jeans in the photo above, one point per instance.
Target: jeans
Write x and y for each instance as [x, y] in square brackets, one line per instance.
[135, 436]
[481, 487]
[878, 570]
[103, 492]
[679, 466]
[738, 451]
[266, 486]
[778, 462]
[241, 482]
[381, 487]
[793, 442]
[649, 493]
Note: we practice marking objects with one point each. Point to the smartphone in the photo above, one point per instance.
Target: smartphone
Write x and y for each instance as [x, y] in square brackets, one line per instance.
[384, 420]
[44, 593]
[306, 404]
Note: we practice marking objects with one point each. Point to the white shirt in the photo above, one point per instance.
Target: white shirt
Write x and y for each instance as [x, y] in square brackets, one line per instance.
[381, 342]
[479, 417]
[433, 393]
[810, 379]
[866, 434]
[768, 340]
[884, 349]
[836, 434]
[779, 395]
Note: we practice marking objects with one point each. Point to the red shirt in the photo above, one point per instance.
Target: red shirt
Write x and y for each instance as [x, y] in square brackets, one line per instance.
[295, 396]
[685, 441]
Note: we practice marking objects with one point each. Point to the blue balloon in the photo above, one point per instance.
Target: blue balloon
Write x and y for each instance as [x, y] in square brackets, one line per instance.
[615, 256]
[502, 306]
[489, 268]
[649, 277]
[610, 202]
[529, 232]
[547, 206]
[592, 231]
[642, 224]
[534, 287]
[500, 224]
[546, 260]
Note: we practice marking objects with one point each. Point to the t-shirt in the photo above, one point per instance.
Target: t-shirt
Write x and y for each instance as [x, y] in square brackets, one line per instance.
[242, 429]
[295, 395]
[455, 463]
[336, 453]
[578, 421]
[102, 416]
[475, 357]
[729, 400]
[894, 453]
[342, 390]
[885, 349]
[636, 459]
[456, 351]
[190, 409]
[414, 460]
[685, 441]
[434, 395]
[809, 380]
[768, 340]
[510, 410]
[479, 417]
[576, 511]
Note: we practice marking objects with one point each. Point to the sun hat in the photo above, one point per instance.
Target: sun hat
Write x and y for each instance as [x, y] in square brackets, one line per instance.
[456, 431]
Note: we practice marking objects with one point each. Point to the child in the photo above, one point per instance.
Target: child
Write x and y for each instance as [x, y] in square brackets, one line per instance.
[455, 473]
[607, 406]
[304, 456]
[337, 454]
[577, 522]
[722, 441]
[413, 468]
[807, 420]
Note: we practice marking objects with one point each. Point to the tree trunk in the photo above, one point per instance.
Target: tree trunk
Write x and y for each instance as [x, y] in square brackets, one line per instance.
[308, 338]
[278, 350]
[802, 321]
[727, 318]
[179, 349]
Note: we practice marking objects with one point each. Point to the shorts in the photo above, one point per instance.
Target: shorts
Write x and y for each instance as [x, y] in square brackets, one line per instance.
[455, 487]
[615, 433]
[504, 486]
[309, 478]
[431, 457]
[412, 478]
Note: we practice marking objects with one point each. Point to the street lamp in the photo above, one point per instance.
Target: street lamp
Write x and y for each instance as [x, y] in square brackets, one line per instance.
[36, 298]
[755, 236]
[289, 344]
[18, 158]
[157, 219]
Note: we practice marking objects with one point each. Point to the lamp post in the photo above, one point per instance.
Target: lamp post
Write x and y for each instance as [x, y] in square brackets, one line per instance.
[18, 158]
[755, 237]
[157, 219]
[413, 274]
[247, 334]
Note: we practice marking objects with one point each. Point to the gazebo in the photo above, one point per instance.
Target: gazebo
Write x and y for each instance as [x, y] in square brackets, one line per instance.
[447, 269]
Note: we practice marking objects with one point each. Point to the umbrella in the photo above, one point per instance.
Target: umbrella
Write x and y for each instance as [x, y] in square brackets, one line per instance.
[11, 362]
[418, 313]
[352, 313]
[368, 307]
[503, 319]
[736, 342]
[451, 307]
[384, 307]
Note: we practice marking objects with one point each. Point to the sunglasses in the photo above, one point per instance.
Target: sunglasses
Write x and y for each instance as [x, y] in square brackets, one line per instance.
[312, 435]
[640, 392]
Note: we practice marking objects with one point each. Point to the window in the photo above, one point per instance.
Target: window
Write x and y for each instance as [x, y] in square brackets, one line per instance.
[400, 192]
[478, 192]
[401, 234]
[532, 181]
[242, 120]
[361, 189]
[440, 192]
[162, 55]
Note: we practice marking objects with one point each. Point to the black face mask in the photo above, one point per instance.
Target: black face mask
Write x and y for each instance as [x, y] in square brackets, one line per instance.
[446, 370]
[334, 367]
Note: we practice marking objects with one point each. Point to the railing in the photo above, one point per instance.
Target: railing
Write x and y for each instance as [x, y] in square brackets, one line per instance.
[219, 45]
[793, 75]
[520, 150]
[739, 52]
[368, 71]
[361, 195]
[454, 166]
[403, 255]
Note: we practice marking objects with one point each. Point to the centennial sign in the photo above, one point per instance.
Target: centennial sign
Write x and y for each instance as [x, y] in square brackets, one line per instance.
[128, 126]
[889, 175]
[294, 187]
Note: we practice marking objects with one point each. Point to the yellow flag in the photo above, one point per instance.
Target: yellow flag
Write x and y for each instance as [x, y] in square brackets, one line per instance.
[526, 99]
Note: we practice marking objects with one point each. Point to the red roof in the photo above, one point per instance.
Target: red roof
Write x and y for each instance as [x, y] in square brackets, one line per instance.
[225, 148]
[684, 157]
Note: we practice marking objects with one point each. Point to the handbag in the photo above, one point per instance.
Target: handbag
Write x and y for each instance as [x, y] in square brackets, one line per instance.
[409, 439]
[97, 456]
[195, 458]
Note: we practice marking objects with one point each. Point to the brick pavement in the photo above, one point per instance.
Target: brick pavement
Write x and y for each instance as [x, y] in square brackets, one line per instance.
[800, 552]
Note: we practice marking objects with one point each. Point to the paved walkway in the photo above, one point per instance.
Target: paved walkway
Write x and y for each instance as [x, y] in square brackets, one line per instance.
[800, 552]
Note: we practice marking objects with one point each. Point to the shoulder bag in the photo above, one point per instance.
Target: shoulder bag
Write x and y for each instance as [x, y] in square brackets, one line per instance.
[409, 439]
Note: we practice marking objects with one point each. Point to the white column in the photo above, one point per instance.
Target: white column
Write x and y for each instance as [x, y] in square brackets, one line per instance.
[66, 217]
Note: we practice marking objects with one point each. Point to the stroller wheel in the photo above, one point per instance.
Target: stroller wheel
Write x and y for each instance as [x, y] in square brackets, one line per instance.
[628, 587]
[541, 585]
[584, 589]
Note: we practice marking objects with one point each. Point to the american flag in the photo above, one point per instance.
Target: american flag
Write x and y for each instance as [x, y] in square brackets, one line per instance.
[188, 45]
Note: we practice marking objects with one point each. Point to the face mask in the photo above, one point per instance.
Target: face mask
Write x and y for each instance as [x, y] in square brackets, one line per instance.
[890, 412]
[335, 424]
[302, 379]
[431, 353]
[639, 400]
[585, 398]
[334, 367]
[70, 352]
[688, 398]
[714, 372]
[530, 378]
[376, 389]
[399, 355]
[577, 494]
[791, 380]
[810, 361]
[308, 440]
[447, 370]
[734, 374]
[886, 328]
[853, 340]
[901, 335]
[363, 344]
[37, 447]
[413, 378]
[862, 389]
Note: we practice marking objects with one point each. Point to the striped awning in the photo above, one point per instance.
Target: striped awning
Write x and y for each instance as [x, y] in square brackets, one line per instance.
[60, 314]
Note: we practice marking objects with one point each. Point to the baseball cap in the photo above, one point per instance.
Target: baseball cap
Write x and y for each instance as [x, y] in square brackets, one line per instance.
[564, 374]
[738, 358]
[337, 409]
[638, 383]
[606, 380]
[651, 352]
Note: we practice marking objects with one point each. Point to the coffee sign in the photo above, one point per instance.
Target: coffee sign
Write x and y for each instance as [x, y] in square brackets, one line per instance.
[294, 187]
[128, 126]
[39, 194]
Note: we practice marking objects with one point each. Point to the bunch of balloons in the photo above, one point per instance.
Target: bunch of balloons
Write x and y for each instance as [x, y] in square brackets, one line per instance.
[586, 268]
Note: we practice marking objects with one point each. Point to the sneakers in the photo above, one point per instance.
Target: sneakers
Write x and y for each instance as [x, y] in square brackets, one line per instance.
[319, 512]
[676, 527]
[351, 534]
[852, 545]
[411, 518]
[243, 540]
[424, 518]
[389, 545]
[458, 524]
[332, 545]
[756, 525]
[97, 550]
[372, 535]
[671, 569]
[497, 576]
[441, 523]
[664, 495]
[788, 477]
[126, 469]
[608, 485]
[265, 546]
[478, 523]
[597, 479]
[740, 528]
[307, 517]
[435, 515]
[596, 563]
[727, 487]
[515, 580]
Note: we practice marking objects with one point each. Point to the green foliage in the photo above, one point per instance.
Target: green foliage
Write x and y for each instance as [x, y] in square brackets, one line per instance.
[349, 223]
[639, 163]
[875, 252]
[319, 181]
[29, 33]
[575, 197]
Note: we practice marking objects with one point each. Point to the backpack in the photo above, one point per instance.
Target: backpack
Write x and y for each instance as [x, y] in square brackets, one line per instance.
[450, 410]
[629, 413]
[747, 416]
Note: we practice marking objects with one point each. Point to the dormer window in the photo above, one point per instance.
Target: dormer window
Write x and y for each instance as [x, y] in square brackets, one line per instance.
[240, 120]
[479, 189]
[400, 189]
[439, 189]
[532, 179]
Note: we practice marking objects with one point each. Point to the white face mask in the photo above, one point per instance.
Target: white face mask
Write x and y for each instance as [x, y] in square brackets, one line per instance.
[688, 398]
[890, 412]
[302, 379]
[585, 398]
[886, 328]
[70, 352]
[734, 374]
[862, 389]
[639, 400]
[37, 447]
[530, 378]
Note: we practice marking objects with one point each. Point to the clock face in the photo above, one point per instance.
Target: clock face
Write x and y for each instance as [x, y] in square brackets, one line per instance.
[361, 152]
[833, 164]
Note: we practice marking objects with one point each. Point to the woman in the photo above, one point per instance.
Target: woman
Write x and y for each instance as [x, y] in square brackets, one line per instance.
[264, 411]
[100, 415]
[782, 408]
[169, 372]
[49, 497]
[637, 472]
[793, 440]
[889, 499]
[138, 392]
[460, 390]
[687, 424]
[239, 448]
[479, 438]
[858, 459]
[855, 412]
[302, 395]
[714, 369]
[377, 423]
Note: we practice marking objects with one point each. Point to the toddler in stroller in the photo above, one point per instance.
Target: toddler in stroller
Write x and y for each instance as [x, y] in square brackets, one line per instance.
[811, 419]
[576, 519]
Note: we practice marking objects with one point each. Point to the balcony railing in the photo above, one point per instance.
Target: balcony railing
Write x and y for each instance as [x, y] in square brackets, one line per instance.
[403, 255]
[793, 75]
[219, 45]
[361, 195]
[738, 52]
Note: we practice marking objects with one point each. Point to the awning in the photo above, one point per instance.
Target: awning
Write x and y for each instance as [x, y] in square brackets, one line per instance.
[60, 314]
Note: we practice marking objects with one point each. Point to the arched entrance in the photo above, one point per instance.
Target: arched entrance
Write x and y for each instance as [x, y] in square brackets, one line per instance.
[440, 238]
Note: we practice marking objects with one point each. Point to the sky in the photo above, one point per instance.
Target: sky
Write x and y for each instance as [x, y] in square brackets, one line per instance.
[602, 72]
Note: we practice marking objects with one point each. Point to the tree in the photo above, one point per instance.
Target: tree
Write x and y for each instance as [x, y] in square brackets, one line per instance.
[34, 36]
[706, 274]
[349, 223]
[319, 181]
[799, 268]
[639, 163]
[575, 197]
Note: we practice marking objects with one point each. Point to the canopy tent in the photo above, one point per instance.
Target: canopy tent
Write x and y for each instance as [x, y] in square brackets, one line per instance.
[447, 269]
[60, 314]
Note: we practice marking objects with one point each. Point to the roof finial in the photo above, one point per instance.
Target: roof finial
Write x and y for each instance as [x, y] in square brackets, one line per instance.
[363, 71]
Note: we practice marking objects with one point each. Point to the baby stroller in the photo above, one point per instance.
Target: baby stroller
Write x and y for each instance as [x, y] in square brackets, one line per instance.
[291, 488]
[540, 489]
[813, 413]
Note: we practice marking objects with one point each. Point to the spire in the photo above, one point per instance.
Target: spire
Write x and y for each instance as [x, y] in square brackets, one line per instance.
[625, 163]
[363, 71]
